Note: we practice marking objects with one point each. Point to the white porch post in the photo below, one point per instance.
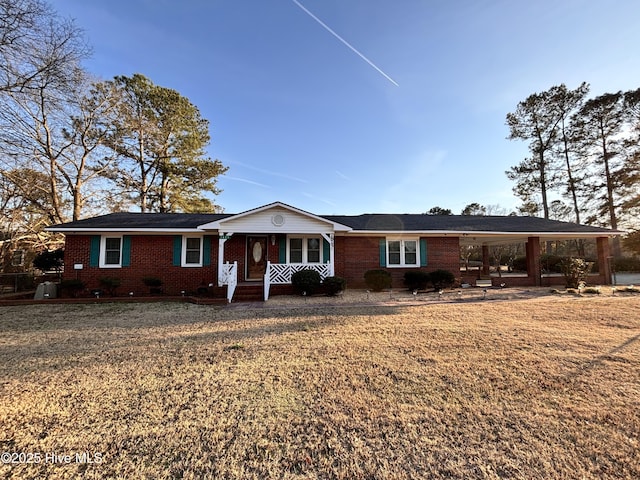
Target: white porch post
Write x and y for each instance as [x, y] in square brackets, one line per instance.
[222, 238]
[329, 237]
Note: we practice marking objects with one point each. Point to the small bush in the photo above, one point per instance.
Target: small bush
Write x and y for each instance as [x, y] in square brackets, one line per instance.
[306, 282]
[334, 285]
[442, 279]
[72, 286]
[575, 271]
[49, 260]
[627, 264]
[154, 284]
[110, 284]
[551, 263]
[520, 264]
[417, 279]
[377, 280]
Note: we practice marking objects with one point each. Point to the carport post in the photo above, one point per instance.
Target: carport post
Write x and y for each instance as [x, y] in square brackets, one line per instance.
[533, 260]
[604, 258]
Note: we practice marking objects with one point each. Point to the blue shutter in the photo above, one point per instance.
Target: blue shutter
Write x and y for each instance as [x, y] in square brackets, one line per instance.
[177, 250]
[94, 251]
[126, 251]
[383, 252]
[326, 251]
[206, 251]
[282, 250]
[423, 252]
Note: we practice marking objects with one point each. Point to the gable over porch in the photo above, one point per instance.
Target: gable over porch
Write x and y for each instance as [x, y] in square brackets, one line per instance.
[270, 243]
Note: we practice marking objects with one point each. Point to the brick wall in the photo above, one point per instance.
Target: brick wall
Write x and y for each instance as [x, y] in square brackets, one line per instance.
[356, 255]
[151, 256]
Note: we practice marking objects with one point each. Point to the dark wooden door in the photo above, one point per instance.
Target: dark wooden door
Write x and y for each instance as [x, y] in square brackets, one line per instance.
[256, 257]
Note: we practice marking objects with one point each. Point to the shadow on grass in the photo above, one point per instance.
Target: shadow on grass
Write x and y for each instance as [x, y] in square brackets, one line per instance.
[90, 336]
[598, 361]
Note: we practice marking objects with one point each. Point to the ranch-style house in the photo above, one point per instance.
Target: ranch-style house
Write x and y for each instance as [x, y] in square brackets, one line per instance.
[266, 245]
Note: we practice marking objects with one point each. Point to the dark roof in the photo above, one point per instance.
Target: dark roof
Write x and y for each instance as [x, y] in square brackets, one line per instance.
[127, 220]
[366, 222]
[458, 223]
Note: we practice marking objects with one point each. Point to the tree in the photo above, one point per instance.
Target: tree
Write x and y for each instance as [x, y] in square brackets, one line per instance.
[474, 209]
[535, 120]
[600, 123]
[37, 47]
[439, 211]
[632, 145]
[160, 140]
[568, 102]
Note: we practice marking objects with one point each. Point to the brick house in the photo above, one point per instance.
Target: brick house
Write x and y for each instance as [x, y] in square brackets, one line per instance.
[265, 245]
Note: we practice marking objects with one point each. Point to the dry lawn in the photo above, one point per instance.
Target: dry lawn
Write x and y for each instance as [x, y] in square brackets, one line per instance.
[545, 387]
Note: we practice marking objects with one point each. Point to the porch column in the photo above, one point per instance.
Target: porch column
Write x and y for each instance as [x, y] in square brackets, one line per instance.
[329, 237]
[222, 238]
[533, 260]
[485, 260]
[604, 259]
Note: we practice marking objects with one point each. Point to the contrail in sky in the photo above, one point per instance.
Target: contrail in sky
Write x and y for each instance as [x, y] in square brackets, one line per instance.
[326, 27]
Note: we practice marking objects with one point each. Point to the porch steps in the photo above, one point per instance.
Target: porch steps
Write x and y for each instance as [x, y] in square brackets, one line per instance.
[249, 293]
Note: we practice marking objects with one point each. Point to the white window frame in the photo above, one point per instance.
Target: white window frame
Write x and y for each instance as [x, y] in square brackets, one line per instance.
[183, 256]
[305, 249]
[103, 252]
[403, 263]
[20, 258]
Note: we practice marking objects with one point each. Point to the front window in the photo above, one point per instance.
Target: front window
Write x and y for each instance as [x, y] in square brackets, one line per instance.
[295, 250]
[111, 252]
[402, 253]
[17, 259]
[305, 250]
[192, 253]
[313, 250]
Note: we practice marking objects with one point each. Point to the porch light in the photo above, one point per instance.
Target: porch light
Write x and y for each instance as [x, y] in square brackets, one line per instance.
[273, 239]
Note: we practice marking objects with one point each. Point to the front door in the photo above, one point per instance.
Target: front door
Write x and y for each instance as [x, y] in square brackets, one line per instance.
[256, 257]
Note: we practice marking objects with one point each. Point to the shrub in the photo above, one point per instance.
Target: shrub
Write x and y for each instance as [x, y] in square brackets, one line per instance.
[49, 260]
[520, 264]
[334, 285]
[551, 263]
[377, 280]
[417, 279]
[442, 279]
[306, 282]
[575, 271]
[110, 284]
[627, 264]
[72, 286]
[154, 284]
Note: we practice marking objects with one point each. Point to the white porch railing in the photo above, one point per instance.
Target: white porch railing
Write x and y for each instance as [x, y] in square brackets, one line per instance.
[280, 273]
[230, 278]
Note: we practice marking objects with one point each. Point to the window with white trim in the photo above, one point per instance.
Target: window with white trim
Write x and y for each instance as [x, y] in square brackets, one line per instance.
[110, 252]
[17, 258]
[304, 250]
[403, 252]
[192, 252]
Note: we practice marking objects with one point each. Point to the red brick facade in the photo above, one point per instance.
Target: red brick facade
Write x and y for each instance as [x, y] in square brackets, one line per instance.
[152, 256]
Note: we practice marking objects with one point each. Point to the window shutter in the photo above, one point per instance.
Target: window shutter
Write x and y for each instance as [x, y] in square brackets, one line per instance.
[383, 252]
[177, 250]
[423, 252]
[126, 250]
[282, 250]
[206, 251]
[94, 251]
[326, 251]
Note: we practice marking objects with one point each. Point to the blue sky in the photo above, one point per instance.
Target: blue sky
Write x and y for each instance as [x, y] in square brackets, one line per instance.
[316, 121]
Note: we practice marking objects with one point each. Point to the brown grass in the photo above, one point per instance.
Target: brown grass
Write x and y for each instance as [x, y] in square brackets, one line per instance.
[541, 388]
